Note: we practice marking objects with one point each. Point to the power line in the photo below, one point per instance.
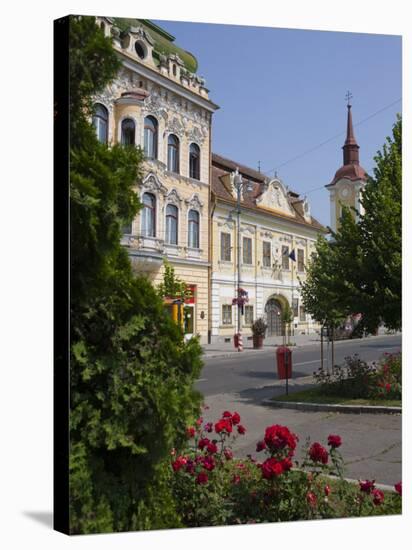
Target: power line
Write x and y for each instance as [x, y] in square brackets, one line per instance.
[331, 138]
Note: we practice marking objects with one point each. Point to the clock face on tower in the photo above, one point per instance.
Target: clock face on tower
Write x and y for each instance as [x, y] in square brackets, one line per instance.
[344, 192]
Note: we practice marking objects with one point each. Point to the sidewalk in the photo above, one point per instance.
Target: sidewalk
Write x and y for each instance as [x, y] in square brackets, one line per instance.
[227, 349]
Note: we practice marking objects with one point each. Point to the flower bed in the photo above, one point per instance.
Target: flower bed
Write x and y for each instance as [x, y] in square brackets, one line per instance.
[211, 487]
[358, 379]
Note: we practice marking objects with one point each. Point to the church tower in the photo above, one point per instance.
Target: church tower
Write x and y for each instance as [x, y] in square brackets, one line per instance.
[349, 181]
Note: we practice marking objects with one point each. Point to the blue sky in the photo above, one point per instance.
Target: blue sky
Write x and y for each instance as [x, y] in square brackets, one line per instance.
[281, 93]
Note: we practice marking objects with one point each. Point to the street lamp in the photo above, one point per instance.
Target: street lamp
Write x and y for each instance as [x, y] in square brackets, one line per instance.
[238, 184]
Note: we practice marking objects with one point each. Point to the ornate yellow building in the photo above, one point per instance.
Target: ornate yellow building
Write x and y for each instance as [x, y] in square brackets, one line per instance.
[275, 226]
[160, 104]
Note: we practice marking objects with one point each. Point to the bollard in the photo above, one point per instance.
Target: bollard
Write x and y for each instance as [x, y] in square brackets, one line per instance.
[240, 342]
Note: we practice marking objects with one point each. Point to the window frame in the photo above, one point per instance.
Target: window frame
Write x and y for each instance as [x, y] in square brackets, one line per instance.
[302, 314]
[244, 250]
[153, 209]
[250, 308]
[168, 233]
[227, 320]
[301, 260]
[190, 224]
[176, 147]
[269, 256]
[223, 249]
[285, 258]
[153, 132]
[127, 120]
[194, 165]
[97, 117]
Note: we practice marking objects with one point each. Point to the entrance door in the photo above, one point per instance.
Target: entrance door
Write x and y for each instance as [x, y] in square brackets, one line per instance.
[189, 321]
[273, 311]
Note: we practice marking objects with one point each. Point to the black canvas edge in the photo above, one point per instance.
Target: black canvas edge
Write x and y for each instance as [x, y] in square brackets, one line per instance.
[61, 386]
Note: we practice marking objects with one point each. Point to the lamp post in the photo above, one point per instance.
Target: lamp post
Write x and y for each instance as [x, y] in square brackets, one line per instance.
[238, 183]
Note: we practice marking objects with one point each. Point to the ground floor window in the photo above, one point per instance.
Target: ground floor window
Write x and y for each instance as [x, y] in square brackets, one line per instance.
[226, 314]
[248, 315]
[302, 314]
[295, 303]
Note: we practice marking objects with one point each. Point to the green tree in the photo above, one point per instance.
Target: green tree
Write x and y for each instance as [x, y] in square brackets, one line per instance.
[131, 373]
[359, 270]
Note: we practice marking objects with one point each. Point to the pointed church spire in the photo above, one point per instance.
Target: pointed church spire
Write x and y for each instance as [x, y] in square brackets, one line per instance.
[350, 148]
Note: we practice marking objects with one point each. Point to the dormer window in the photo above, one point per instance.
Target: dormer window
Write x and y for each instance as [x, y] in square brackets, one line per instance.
[140, 49]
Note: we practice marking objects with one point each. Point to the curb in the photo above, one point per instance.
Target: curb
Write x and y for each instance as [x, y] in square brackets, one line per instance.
[352, 409]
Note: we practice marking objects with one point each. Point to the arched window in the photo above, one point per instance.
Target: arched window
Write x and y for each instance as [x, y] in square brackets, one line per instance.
[173, 154]
[149, 215]
[150, 137]
[171, 223]
[194, 161]
[193, 229]
[128, 131]
[100, 122]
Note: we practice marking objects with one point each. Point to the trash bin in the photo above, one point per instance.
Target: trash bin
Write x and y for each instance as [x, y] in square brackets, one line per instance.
[284, 362]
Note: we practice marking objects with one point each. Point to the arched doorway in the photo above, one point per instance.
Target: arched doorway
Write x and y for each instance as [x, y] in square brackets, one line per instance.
[273, 310]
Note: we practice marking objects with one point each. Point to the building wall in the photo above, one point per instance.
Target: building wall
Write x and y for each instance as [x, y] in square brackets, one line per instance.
[261, 283]
[181, 108]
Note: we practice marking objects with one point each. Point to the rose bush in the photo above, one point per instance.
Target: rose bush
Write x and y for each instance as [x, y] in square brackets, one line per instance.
[211, 487]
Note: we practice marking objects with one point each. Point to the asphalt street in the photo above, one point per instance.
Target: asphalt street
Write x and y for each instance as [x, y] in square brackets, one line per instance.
[249, 370]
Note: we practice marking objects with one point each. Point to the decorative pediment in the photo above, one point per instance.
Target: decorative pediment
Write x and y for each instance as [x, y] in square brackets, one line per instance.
[141, 34]
[266, 234]
[173, 197]
[247, 229]
[196, 134]
[274, 197]
[152, 183]
[194, 202]
[174, 126]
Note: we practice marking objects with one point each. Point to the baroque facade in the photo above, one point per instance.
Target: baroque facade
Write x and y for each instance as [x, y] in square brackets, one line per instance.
[275, 226]
[160, 104]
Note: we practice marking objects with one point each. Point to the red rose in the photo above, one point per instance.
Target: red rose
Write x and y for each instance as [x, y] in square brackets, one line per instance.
[241, 429]
[235, 418]
[311, 498]
[317, 453]
[208, 463]
[236, 480]
[286, 464]
[203, 443]
[334, 441]
[388, 387]
[211, 447]
[228, 454]
[227, 414]
[223, 425]
[261, 445]
[202, 478]
[327, 490]
[378, 497]
[190, 432]
[279, 437]
[179, 463]
[190, 467]
[209, 427]
[398, 488]
[271, 468]
[367, 486]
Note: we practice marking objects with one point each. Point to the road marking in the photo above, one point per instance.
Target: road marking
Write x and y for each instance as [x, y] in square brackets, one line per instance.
[307, 362]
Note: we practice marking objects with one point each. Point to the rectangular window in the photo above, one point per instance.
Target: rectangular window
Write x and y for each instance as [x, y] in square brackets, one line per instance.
[301, 260]
[266, 254]
[302, 314]
[225, 248]
[248, 315]
[226, 314]
[285, 257]
[295, 304]
[247, 250]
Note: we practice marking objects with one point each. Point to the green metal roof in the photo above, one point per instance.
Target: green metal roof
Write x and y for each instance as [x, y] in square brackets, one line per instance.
[164, 42]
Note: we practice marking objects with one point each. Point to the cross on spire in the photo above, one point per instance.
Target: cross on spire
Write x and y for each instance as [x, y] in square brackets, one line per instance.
[348, 97]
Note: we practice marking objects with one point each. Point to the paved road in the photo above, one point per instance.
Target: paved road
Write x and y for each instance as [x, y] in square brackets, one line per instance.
[371, 442]
[256, 369]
